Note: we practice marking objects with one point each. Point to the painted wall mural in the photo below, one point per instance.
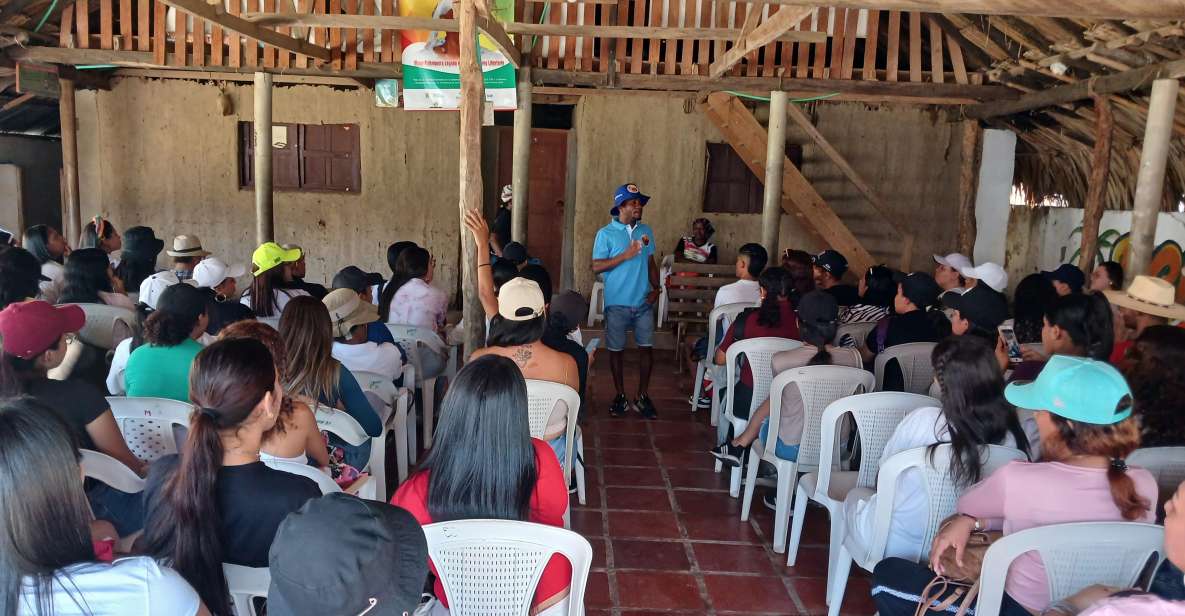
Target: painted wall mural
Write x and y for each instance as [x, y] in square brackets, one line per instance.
[1168, 258]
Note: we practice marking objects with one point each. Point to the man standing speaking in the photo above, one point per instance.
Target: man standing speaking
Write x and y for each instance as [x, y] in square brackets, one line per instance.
[623, 253]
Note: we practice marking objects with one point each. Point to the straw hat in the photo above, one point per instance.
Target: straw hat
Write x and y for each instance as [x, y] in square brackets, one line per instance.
[1150, 295]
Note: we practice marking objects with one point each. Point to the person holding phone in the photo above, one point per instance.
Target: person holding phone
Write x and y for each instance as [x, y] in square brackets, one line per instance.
[623, 253]
[978, 312]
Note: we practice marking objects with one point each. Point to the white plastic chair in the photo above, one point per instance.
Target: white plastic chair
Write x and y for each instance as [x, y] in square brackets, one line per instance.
[858, 331]
[942, 495]
[148, 424]
[542, 398]
[718, 320]
[876, 415]
[492, 567]
[324, 482]
[349, 430]
[245, 584]
[395, 413]
[106, 325]
[818, 386]
[100, 466]
[759, 353]
[596, 304]
[1167, 465]
[415, 339]
[1075, 556]
[916, 369]
[664, 272]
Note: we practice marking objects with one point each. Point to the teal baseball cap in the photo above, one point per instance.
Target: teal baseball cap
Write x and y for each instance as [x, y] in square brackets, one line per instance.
[1078, 389]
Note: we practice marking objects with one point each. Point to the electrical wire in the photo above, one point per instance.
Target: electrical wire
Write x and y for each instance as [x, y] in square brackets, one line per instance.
[48, 11]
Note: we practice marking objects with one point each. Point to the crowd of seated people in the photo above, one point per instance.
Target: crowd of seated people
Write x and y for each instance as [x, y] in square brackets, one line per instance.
[1099, 375]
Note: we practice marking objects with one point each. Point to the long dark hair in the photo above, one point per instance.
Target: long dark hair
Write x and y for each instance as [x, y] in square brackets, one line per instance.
[507, 333]
[394, 250]
[1035, 296]
[177, 313]
[412, 263]
[1114, 274]
[20, 276]
[483, 462]
[880, 287]
[36, 241]
[1155, 370]
[229, 378]
[819, 332]
[135, 266]
[777, 284]
[1086, 318]
[16, 372]
[48, 519]
[263, 296]
[87, 274]
[801, 268]
[973, 404]
[94, 232]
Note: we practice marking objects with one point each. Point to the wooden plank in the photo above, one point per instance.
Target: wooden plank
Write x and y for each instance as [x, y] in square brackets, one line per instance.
[143, 25]
[1100, 175]
[915, 46]
[569, 17]
[1164, 10]
[198, 39]
[849, 46]
[321, 35]
[351, 38]
[387, 42]
[586, 51]
[368, 33]
[554, 42]
[670, 61]
[802, 70]
[768, 31]
[741, 16]
[159, 42]
[840, 24]
[335, 35]
[216, 14]
[770, 51]
[234, 42]
[893, 54]
[753, 59]
[66, 30]
[179, 48]
[748, 138]
[17, 102]
[106, 24]
[937, 64]
[300, 60]
[125, 25]
[636, 46]
[267, 51]
[624, 47]
[956, 60]
[968, 185]
[82, 21]
[283, 58]
[217, 48]
[819, 69]
[871, 45]
[695, 50]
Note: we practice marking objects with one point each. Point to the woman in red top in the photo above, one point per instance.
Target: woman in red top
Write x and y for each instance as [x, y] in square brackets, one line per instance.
[485, 465]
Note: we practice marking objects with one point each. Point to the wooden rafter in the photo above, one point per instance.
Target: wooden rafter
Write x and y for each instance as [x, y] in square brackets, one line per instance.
[493, 29]
[769, 30]
[216, 15]
[17, 102]
[1078, 9]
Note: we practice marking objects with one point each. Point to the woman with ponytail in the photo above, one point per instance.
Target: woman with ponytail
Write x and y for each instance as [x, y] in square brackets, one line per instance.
[100, 233]
[818, 320]
[217, 502]
[1087, 432]
[160, 368]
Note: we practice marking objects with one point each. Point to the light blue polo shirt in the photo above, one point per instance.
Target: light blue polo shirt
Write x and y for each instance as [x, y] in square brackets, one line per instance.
[628, 283]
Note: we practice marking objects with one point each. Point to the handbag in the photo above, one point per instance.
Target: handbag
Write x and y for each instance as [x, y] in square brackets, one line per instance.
[960, 583]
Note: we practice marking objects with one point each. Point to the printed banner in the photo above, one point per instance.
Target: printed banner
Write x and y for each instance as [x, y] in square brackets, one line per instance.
[431, 62]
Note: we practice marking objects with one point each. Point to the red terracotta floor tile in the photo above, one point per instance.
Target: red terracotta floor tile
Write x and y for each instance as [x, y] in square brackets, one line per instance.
[732, 558]
[697, 478]
[698, 502]
[687, 429]
[811, 562]
[813, 592]
[659, 555]
[629, 457]
[666, 442]
[718, 528]
[624, 441]
[696, 460]
[647, 499]
[658, 590]
[596, 592]
[625, 425]
[587, 522]
[634, 477]
[749, 593]
[643, 524]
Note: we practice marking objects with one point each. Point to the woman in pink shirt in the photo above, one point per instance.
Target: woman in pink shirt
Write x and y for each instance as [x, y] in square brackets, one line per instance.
[1087, 430]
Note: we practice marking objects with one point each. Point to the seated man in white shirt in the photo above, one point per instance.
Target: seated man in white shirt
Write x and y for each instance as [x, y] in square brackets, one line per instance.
[349, 316]
[187, 252]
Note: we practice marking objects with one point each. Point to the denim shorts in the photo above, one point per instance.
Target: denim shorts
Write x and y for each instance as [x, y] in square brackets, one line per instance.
[619, 319]
[782, 450]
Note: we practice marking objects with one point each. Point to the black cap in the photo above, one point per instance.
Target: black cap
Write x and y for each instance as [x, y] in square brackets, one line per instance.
[515, 252]
[141, 242]
[1068, 274]
[352, 277]
[571, 305]
[831, 261]
[980, 305]
[920, 288]
[338, 553]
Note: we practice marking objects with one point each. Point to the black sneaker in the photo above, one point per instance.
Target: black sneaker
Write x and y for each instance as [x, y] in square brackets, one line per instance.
[646, 407]
[728, 453]
[619, 407]
[770, 500]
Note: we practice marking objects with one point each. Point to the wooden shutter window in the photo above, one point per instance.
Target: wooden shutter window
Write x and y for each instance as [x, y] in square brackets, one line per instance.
[316, 158]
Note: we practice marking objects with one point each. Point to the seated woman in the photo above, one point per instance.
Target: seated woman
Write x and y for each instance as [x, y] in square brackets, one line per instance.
[818, 315]
[295, 437]
[1107, 276]
[1078, 325]
[48, 557]
[89, 279]
[100, 233]
[915, 318]
[697, 247]
[160, 367]
[1155, 368]
[801, 266]
[877, 290]
[20, 276]
[516, 333]
[217, 502]
[485, 465]
[1087, 429]
[1034, 297]
[50, 249]
[314, 377]
[410, 299]
[137, 260]
[268, 294]
[34, 335]
[974, 414]
[364, 284]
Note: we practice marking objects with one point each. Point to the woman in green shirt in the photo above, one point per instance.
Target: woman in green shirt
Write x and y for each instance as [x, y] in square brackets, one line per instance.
[160, 367]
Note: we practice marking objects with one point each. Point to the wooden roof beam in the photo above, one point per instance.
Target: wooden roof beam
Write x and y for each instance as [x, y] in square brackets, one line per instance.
[767, 32]
[1133, 39]
[493, 29]
[217, 15]
[1076, 9]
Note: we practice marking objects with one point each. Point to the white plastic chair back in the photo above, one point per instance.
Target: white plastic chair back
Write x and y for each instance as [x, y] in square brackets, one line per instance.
[272, 322]
[858, 331]
[381, 387]
[492, 567]
[759, 353]
[245, 584]
[148, 424]
[1167, 465]
[348, 429]
[819, 386]
[1075, 555]
[596, 303]
[103, 323]
[719, 320]
[542, 398]
[916, 368]
[100, 466]
[324, 482]
[877, 415]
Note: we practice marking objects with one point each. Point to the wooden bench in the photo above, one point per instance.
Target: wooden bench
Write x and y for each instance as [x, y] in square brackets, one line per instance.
[690, 298]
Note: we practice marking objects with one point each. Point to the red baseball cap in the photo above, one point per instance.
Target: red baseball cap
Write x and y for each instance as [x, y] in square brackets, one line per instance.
[28, 329]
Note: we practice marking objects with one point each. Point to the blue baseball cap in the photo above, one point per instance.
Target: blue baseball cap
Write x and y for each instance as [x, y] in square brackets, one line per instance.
[1068, 274]
[624, 193]
[1078, 389]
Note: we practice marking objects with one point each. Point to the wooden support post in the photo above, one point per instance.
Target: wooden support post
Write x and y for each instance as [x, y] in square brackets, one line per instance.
[521, 158]
[775, 154]
[1150, 184]
[264, 223]
[1100, 173]
[472, 102]
[968, 185]
[71, 212]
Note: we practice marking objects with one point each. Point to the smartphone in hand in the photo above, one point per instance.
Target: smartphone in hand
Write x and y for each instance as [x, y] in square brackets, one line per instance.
[1011, 344]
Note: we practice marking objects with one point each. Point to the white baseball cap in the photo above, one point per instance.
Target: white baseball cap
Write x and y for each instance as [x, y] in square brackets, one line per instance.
[991, 274]
[211, 271]
[954, 260]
